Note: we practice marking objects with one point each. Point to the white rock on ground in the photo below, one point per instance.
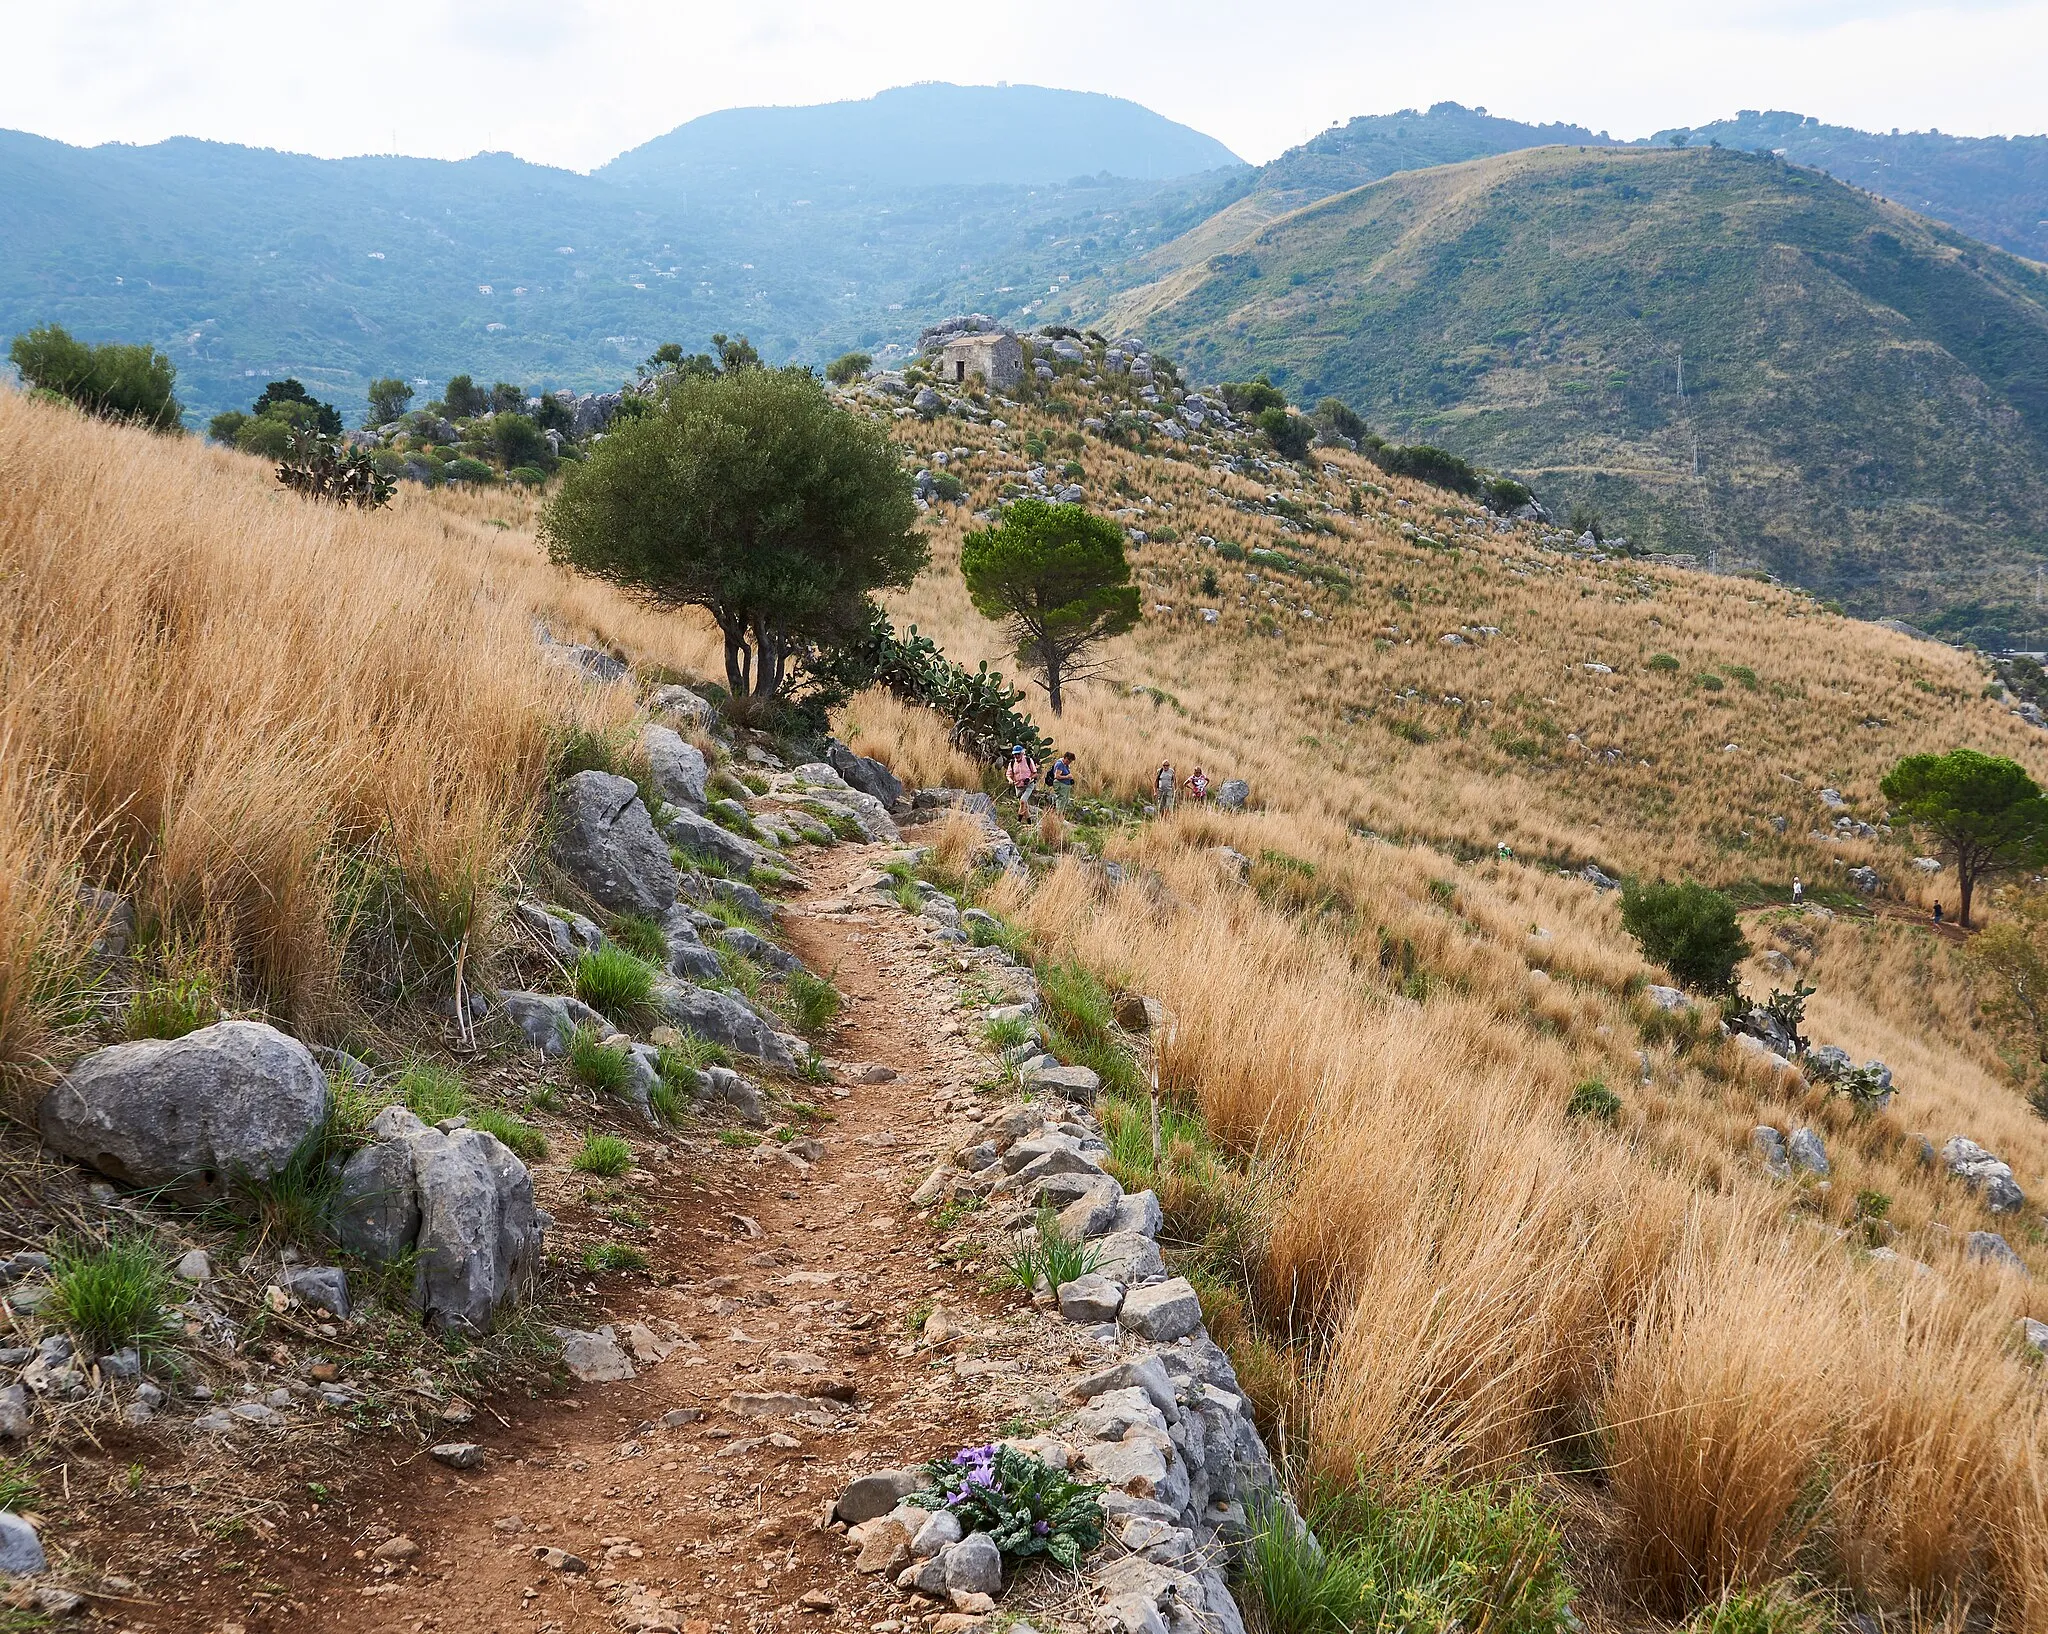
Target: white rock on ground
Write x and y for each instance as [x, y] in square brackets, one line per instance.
[1162, 1311]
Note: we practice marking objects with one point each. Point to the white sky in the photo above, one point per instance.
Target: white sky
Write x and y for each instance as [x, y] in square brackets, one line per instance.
[572, 82]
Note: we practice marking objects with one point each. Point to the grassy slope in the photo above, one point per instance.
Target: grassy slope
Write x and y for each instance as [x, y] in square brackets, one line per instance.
[1869, 392]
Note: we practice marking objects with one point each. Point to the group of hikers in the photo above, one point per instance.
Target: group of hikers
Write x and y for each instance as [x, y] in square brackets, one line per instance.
[1059, 781]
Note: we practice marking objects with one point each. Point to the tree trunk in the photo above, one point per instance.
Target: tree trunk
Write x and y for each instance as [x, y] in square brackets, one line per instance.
[737, 667]
[1966, 882]
[1052, 684]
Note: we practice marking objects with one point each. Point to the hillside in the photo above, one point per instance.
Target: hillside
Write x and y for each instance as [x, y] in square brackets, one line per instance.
[248, 264]
[922, 136]
[1865, 393]
[1478, 1222]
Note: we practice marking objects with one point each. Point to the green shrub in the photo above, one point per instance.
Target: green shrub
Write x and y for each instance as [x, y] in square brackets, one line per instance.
[466, 469]
[606, 1068]
[1664, 663]
[526, 476]
[848, 367]
[813, 1002]
[172, 1006]
[113, 381]
[112, 1295]
[613, 1257]
[603, 1155]
[519, 1137]
[1593, 1099]
[1709, 681]
[613, 981]
[1688, 928]
[1757, 1611]
[1742, 673]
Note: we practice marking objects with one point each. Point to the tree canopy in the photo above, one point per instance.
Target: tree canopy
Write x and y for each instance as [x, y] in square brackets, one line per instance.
[1690, 929]
[750, 494]
[1056, 578]
[113, 381]
[1984, 810]
[388, 399]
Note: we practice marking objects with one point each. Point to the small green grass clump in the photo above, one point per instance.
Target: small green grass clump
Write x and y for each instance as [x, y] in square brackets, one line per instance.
[432, 1091]
[18, 1485]
[813, 1002]
[113, 1294]
[691, 1052]
[613, 981]
[1048, 1255]
[172, 1006]
[614, 1257]
[606, 1068]
[1006, 1033]
[666, 1102]
[641, 937]
[518, 1136]
[603, 1155]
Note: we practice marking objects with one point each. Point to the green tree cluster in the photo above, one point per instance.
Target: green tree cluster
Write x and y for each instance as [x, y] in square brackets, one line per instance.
[1984, 811]
[283, 413]
[1689, 929]
[113, 381]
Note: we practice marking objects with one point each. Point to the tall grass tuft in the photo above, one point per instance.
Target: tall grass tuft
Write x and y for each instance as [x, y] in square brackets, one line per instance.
[606, 1068]
[603, 1155]
[812, 1002]
[112, 1294]
[614, 982]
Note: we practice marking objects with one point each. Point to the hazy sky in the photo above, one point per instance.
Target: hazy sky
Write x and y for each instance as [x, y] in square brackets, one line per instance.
[572, 82]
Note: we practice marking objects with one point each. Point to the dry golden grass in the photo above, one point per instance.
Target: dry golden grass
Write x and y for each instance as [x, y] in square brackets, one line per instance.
[287, 728]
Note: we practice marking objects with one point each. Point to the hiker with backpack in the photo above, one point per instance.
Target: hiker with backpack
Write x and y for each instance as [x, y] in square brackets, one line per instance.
[1163, 786]
[1023, 773]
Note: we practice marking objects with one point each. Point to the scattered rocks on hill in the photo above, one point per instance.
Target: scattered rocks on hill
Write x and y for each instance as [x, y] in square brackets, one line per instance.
[694, 832]
[1989, 1248]
[1987, 1175]
[605, 841]
[873, 817]
[545, 1020]
[1807, 1151]
[726, 1018]
[456, 1199]
[1233, 794]
[1769, 1147]
[193, 1117]
[1866, 880]
[1668, 999]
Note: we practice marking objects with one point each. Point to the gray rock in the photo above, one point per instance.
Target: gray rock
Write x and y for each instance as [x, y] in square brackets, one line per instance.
[458, 1454]
[1769, 1147]
[1987, 1175]
[322, 1287]
[545, 1020]
[125, 1363]
[1162, 1311]
[1232, 794]
[594, 1358]
[1989, 1248]
[21, 1551]
[871, 1496]
[565, 935]
[468, 1203]
[605, 841]
[743, 1095]
[1077, 1084]
[194, 1266]
[940, 1530]
[1866, 880]
[1666, 998]
[116, 916]
[726, 1019]
[928, 402]
[688, 957]
[699, 834]
[1090, 1298]
[870, 777]
[875, 822]
[1807, 1151]
[974, 1565]
[1139, 1212]
[681, 773]
[745, 898]
[1826, 1062]
[1594, 876]
[673, 699]
[192, 1116]
[1128, 1257]
[1093, 1213]
[2034, 1335]
[14, 1424]
[762, 951]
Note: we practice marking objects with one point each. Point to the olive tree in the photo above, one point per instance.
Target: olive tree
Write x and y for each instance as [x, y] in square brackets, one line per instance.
[750, 494]
[113, 381]
[1056, 578]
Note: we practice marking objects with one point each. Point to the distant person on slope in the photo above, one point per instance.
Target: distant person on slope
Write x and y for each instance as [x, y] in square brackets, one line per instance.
[1937, 916]
[1197, 785]
[1023, 773]
[1163, 786]
[1798, 893]
[1061, 779]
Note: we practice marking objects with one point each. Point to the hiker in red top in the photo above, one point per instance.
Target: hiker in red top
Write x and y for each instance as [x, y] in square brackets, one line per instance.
[1197, 785]
[1023, 773]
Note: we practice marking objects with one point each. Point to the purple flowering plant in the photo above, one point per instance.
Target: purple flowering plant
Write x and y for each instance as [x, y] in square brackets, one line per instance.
[1025, 1505]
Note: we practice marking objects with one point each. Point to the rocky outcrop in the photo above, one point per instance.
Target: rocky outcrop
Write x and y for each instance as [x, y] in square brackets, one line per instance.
[694, 832]
[605, 841]
[194, 1117]
[455, 1198]
[1987, 1175]
[727, 1019]
[868, 776]
[681, 773]
[545, 1020]
[873, 817]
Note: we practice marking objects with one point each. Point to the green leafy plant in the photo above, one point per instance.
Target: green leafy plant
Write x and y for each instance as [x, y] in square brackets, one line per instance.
[613, 981]
[172, 1006]
[111, 1294]
[1026, 1506]
[603, 1155]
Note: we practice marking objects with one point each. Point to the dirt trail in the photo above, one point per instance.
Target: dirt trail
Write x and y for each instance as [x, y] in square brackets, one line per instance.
[709, 1525]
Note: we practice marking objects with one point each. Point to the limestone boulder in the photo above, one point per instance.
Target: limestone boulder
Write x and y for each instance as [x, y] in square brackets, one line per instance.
[726, 1018]
[605, 841]
[192, 1117]
[681, 773]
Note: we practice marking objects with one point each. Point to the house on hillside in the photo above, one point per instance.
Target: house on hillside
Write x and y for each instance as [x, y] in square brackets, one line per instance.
[996, 359]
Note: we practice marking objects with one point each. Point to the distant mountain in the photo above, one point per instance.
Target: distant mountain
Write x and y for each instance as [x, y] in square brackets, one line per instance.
[921, 136]
[1865, 392]
[1992, 187]
[245, 264]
